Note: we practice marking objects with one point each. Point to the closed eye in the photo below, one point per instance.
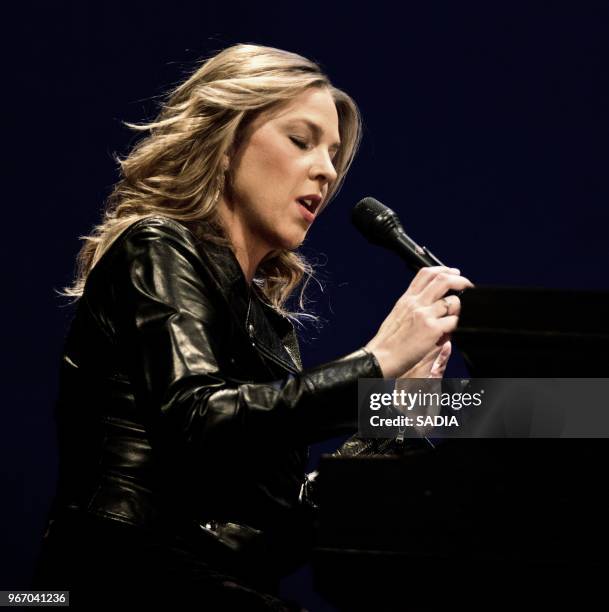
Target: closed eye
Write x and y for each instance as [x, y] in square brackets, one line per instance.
[299, 143]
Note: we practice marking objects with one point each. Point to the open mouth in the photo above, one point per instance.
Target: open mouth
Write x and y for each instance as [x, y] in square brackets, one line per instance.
[311, 204]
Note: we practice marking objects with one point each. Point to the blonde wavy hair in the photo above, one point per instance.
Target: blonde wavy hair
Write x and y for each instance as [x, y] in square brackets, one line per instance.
[176, 169]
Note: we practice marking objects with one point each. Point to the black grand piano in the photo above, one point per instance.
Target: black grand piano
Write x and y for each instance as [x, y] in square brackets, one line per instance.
[480, 523]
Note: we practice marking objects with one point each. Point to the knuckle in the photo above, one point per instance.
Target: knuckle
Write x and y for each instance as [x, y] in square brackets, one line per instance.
[423, 273]
[408, 301]
[430, 323]
[429, 271]
[419, 315]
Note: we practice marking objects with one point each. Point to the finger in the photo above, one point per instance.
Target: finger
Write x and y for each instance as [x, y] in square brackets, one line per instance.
[446, 350]
[448, 324]
[443, 355]
[439, 365]
[425, 275]
[441, 284]
[443, 340]
[432, 355]
[446, 306]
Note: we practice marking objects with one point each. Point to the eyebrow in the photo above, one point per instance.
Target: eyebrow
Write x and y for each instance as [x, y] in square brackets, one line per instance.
[316, 130]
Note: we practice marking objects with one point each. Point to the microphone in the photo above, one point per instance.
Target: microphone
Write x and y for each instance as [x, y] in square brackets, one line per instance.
[381, 226]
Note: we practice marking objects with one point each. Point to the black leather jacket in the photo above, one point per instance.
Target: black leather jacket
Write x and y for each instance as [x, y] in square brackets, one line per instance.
[183, 404]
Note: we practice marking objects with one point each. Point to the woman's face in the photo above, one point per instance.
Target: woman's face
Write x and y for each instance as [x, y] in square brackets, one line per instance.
[287, 154]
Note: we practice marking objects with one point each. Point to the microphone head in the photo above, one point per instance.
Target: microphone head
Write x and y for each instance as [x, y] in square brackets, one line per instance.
[377, 222]
[381, 226]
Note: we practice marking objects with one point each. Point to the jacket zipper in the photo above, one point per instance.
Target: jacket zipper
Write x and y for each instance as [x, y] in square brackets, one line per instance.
[260, 347]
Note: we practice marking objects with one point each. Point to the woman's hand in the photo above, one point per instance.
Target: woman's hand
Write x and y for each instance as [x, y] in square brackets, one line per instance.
[433, 365]
[420, 322]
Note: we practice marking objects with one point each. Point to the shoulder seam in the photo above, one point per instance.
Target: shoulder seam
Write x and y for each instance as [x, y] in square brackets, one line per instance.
[164, 222]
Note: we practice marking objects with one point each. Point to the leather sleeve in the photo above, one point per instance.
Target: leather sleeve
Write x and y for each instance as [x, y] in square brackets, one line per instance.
[167, 324]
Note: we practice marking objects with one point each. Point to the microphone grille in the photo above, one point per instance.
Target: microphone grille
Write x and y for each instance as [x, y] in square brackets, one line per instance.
[373, 219]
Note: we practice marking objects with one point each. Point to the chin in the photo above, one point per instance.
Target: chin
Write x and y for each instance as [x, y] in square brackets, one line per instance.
[290, 242]
[296, 243]
[283, 238]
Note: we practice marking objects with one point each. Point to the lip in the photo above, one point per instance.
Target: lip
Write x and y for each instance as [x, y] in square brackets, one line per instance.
[315, 198]
[306, 213]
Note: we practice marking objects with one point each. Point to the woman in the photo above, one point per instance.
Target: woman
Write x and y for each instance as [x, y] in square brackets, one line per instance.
[184, 414]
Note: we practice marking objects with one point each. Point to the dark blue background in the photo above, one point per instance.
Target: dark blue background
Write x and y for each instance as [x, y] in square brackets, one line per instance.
[485, 128]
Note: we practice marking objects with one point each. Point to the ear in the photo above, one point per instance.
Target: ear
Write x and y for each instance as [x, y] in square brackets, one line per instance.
[225, 162]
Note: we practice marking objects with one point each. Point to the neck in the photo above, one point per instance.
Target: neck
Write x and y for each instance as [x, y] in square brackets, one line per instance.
[249, 250]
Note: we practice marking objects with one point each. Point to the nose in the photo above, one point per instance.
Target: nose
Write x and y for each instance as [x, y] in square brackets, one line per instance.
[323, 168]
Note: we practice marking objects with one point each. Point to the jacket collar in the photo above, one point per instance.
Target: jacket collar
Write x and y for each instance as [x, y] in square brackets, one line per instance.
[269, 331]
